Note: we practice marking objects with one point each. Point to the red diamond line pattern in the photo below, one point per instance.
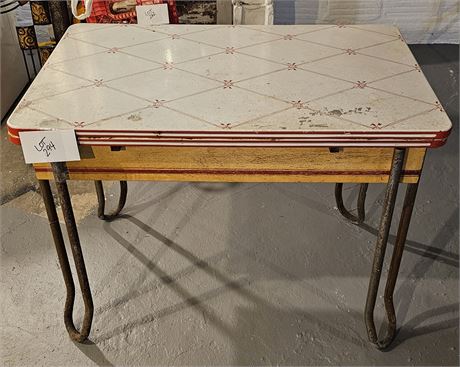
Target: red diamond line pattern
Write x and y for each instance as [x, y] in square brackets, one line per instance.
[256, 81]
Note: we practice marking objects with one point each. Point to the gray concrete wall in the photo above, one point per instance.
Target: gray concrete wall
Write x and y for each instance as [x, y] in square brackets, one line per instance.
[420, 21]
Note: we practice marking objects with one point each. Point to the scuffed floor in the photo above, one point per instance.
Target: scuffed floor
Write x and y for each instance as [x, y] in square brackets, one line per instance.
[241, 274]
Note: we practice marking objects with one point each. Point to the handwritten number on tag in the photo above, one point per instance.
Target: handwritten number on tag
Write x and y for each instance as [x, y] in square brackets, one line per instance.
[45, 146]
[150, 13]
[154, 14]
[49, 146]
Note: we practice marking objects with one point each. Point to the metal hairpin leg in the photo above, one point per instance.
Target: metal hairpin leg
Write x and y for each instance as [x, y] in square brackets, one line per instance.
[382, 238]
[101, 200]
[361, 203]
[59, 170]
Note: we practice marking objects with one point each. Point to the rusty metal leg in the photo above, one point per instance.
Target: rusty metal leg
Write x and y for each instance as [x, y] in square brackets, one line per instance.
[382, 239]
[404, 222]
[59, 170]
[101, 200]
[361, 203]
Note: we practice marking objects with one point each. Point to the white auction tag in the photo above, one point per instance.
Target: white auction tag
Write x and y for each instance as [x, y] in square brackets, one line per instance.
[155, 14]
[49, 146]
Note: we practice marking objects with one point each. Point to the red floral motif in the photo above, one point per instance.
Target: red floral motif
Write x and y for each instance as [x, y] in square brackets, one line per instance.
[292, 66]
[288, 37]
[350, 51]
[113, 50]
[229, 50]
[378, 125]
[79, 123]
[158, 103]
[298, 104]
[228, 84]
[360, 84]
[439, 106]
[167, 65]
[98, 82]
[225, 126]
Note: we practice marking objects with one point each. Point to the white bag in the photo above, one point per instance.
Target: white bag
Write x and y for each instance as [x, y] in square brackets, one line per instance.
[88, 7]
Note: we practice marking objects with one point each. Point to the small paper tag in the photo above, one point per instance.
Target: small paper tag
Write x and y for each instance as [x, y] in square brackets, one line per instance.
[152, 14]
[49, 146]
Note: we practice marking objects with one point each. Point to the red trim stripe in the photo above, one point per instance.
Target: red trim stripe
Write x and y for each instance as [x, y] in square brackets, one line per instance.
[282, 132]
[313, 143]
[438, 140]
[253, 141]
[438, 134]
[227, 172]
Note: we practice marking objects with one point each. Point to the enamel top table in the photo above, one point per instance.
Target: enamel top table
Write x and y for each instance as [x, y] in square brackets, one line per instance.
[318, 103]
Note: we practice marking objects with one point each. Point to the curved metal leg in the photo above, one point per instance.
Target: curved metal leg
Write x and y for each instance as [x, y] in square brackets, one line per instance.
[59, 170]
[379, 255]
[406, 215]
[101, 200]
[361, 203]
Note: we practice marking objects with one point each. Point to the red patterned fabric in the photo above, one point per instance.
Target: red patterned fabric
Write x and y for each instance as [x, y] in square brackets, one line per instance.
[103, 11]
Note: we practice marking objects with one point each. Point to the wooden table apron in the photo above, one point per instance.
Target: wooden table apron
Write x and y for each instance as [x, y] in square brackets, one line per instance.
[239, 164]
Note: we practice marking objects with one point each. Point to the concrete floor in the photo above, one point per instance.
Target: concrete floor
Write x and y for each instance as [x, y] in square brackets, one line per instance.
[239, 274]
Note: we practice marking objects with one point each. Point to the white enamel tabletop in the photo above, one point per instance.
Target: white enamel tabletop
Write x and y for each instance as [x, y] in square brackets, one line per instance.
[308, 85]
